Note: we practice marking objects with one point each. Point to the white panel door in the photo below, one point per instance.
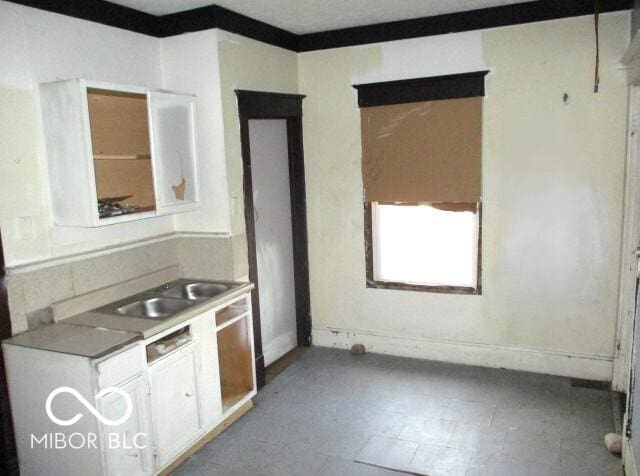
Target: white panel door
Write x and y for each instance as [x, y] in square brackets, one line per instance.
[175, 402]
[274, 243]
[173, 151]
[128, 447]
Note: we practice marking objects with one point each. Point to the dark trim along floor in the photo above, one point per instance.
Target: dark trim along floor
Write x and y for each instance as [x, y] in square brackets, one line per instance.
[213, 16]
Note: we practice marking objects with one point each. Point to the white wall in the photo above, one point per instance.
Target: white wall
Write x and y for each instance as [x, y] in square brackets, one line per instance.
[552, 199]
[38, 46]
[190, 63]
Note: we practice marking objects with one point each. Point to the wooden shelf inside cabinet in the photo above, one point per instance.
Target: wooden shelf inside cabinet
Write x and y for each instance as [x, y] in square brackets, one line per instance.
[233, 396]
[121, 148]
[137, 215]
[122, 157]
[236, 362]
[226, 315]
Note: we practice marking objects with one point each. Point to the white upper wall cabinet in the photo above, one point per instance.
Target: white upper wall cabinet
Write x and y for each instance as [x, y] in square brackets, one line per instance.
[174, 149]
[118, 153]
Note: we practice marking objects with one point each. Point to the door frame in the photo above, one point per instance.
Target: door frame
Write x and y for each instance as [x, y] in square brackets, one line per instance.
[622, 360]
[270, 105]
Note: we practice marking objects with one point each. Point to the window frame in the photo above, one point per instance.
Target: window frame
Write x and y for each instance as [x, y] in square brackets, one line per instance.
[369, 245]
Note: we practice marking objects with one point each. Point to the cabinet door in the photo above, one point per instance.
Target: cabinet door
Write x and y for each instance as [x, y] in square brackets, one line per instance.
[65, 121]
[174, 151]
[128, 447]
[175, 402]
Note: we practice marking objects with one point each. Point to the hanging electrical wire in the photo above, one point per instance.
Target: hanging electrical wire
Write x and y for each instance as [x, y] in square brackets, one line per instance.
[596, 80]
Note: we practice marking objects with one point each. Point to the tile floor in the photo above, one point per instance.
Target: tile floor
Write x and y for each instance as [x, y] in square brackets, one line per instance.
[330, 409]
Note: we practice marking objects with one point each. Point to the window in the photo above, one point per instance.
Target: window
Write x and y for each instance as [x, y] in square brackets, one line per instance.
[425, 245]
[421, 170]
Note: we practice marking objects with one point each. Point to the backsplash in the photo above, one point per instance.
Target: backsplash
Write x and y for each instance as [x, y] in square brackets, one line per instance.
[34, 288]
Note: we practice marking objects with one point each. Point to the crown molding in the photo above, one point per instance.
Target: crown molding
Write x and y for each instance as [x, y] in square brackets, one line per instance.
[516, 14]
[213, 16]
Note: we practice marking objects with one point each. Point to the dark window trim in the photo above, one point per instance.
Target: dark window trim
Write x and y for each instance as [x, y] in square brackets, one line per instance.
[433, 88]
[373, 283]
[213, 16]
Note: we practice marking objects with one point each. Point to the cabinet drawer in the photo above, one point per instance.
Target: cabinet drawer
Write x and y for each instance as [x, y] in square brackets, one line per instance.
[120, 367]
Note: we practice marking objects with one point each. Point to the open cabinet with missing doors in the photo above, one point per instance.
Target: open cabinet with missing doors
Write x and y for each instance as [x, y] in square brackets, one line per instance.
[235, 353]
[118, 153]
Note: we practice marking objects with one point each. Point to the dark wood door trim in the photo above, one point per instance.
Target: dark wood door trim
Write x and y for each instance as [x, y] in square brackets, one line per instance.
[297, 187]
[8, 456]
[267, 105]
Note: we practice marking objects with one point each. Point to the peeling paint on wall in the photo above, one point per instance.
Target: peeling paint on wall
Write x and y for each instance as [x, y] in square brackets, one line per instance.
[178, 190]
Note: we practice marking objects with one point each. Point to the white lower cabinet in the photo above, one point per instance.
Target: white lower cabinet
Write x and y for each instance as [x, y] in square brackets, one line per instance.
[175, 402]
[128, 447]
[181, 383]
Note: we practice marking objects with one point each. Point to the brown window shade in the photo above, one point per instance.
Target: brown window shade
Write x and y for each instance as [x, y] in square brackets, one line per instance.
[422, 151]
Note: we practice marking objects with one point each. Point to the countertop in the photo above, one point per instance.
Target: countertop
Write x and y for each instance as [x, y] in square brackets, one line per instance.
[146, 328]
[94, 334]
[84, 341]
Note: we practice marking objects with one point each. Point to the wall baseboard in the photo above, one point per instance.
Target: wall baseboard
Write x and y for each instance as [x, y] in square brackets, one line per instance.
[583, 366]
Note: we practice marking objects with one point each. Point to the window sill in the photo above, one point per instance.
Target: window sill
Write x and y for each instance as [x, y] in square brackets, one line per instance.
[399, 286]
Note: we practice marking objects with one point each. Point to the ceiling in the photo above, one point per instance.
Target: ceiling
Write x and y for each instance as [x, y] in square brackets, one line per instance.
[308, 16]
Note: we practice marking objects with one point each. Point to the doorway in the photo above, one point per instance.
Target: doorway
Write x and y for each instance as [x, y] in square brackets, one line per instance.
[275, 217]
[626, 361]
[273, 234]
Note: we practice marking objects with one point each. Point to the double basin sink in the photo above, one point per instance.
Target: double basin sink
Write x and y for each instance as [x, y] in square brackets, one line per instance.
[167, 300]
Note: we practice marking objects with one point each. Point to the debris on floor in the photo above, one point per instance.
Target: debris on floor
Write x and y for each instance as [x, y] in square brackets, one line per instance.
[358, 349]
[613, 442]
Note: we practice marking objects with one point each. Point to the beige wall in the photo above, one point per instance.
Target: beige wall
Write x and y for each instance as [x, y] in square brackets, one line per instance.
[252, 65]
[552, 193]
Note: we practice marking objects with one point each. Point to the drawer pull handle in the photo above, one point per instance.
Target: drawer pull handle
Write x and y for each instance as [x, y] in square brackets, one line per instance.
[188, 395]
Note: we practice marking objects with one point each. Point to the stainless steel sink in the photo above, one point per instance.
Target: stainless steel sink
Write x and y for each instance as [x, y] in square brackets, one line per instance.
[168, 300]
[196, 290]
[154, 308]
